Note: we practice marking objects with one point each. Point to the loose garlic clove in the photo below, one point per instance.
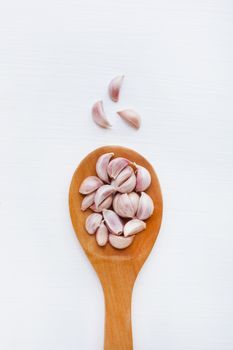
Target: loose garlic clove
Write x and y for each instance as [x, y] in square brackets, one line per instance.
[102, 165]
[131, 117]
[114, 87]
[113, 222]
[104, 205]
[145, 207]
[128, 186]
[102, 235]
[120, 242]
[87, 201]
[93, 221]
[99, 116]
[134, 226]
[124, 207]
[134, 198]
[116, 166]
[143, 178]
[90, 184]
[123, 176]
[102, 193]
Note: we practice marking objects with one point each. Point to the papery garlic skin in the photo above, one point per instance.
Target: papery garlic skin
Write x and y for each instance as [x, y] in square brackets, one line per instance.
[123, 176]
[145, 207]
[102, 165]
[90, 184]
[87, 201]
[134, 226]
[124, 207]
[102, 235]
[102, 193]
[131, 117]
[120, 242]
[114, 87]
[104, 205]
[128, 186]
[99, 115]
[143, 178]
[92, 223]
[116, 166]
[113, 222]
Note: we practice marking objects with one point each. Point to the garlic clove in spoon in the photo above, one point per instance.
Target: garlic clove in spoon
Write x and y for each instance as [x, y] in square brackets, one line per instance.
[134, 226]
[145, 207]
[120, 242]
[113, 222]
[90, 184]
[102, 166]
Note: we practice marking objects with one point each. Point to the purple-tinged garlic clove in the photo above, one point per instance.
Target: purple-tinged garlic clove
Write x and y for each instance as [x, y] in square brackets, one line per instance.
[90, 184]
[102, 165]
[99, 115]
[93, 221]
[129, 185]
[102, 235]
[131, 117]
[104, 205]
[113, 222]
[134, 197]
[102, 193]
[143, 178]
[124, 207]
[114, 87]
[87, 201]
[120, 242]
[123, 176]
[134, 226]
[145, 207]
[116, 166]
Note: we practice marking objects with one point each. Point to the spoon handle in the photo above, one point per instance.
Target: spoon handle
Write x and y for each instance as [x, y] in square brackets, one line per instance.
[117, 282]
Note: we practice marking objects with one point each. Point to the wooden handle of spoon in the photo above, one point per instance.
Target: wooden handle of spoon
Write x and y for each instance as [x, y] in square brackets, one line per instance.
[118, 329]
[118, 286]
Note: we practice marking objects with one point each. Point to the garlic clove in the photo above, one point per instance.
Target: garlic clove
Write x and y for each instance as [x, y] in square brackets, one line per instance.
[99, 116]
[128, 186]
[113, 221]
[115, 202]
[134, 198]
[87, 201]
[114, 87]
[104, 205]
[134, 226]
[102, 165]
[102, 235]
[120, 242]
[90, 184]
[123, 176]
[143, 178]
[116, 166]
[131, 117]
[93, 221]
[145, 207]
[124, 206]
[102, 193]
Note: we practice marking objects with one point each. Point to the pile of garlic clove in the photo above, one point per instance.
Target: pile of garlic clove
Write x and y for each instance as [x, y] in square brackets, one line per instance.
[118, 200]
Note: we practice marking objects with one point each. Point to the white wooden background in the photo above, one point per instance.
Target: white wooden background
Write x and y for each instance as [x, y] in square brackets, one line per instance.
[56, 59]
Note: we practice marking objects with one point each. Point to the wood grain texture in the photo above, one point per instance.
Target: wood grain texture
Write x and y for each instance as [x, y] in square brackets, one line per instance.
[117, 269]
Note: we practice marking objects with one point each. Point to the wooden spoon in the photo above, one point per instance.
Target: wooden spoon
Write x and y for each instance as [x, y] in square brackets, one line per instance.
[117, 269]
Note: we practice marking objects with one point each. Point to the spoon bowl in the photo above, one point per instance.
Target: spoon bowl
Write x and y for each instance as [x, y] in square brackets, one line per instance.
[116, 269]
